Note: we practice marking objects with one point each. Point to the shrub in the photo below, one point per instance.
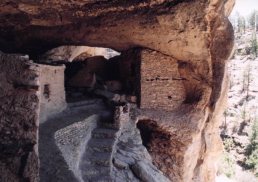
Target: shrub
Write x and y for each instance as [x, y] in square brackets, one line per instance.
[228, 144]
[252, 161]
[252, 149]
[227, 165]
[254, 46]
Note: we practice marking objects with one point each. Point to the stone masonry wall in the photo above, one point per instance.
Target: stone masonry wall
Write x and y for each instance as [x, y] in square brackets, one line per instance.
[19, 108]
[52, 91]
[161, 84]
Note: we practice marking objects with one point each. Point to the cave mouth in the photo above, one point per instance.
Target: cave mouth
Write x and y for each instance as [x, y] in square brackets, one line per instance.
[80, 74]
[83, 77]
[146, 131]
[153, 136]
[159, 144]
[99, 75]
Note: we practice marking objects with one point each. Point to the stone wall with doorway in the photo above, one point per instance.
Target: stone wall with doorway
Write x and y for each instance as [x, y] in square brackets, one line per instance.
[52, 91]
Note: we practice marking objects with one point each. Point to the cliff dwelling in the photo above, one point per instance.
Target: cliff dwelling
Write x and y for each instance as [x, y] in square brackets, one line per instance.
[112, 90]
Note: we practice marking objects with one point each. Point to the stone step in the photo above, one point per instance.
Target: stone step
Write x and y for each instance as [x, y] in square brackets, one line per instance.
[101, 158]
[101, 179]
[88, 171]
[108, 125]
[84, 103]
[103, 133]
[100, 145]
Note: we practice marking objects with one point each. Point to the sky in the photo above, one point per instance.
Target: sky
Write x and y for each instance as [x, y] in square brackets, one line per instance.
[245, 7]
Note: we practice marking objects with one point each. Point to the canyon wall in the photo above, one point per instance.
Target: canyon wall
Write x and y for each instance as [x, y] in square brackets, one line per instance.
[184, 42]
[19, 111]
[179, 28]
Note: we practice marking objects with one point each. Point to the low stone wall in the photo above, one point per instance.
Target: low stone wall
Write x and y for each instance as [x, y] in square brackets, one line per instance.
[19, 110]
[52, 91]
[72, 141]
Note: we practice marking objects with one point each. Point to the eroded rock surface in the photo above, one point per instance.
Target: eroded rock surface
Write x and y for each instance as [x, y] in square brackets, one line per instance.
[180, 28]
[19, 112]
[187, 40]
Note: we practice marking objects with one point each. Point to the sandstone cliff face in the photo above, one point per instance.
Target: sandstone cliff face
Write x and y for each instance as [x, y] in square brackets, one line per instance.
[195, 35]
[19, 100]
[166, 26]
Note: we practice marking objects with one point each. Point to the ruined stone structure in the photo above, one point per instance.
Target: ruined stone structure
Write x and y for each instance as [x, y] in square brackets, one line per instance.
[161, 84]
[52, 91]
[173, 56]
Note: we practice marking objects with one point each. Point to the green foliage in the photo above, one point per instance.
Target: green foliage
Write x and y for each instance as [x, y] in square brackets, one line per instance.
[227, 165]
[251, 19]
[254, 45]
[225, 113]
[243, 114]
[252, 149]
[254, 137]
[247, 78]
[238, 22]
[228, 144]
[241, 24]
[252, 161]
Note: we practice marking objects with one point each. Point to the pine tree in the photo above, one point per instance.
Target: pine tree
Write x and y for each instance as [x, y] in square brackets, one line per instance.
[252, 20]
[254, 46]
